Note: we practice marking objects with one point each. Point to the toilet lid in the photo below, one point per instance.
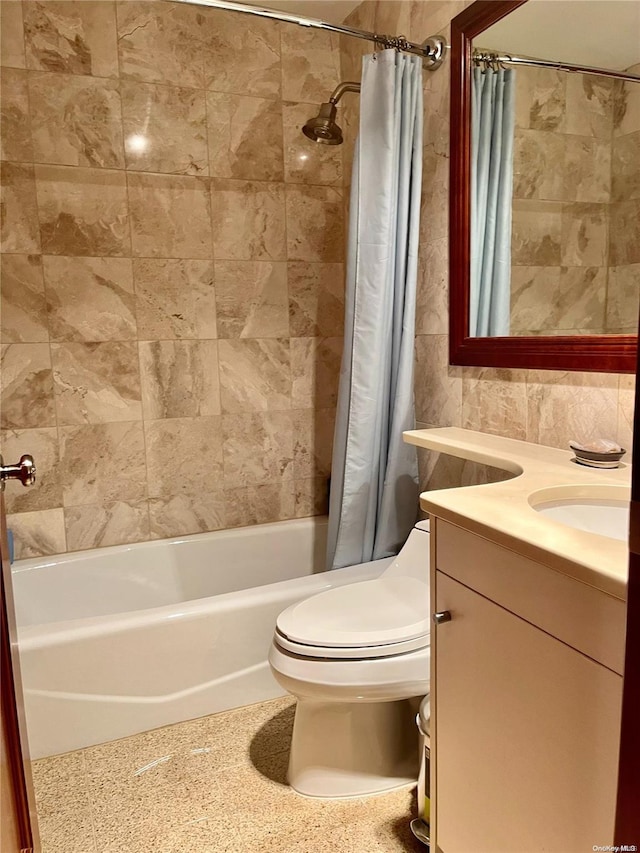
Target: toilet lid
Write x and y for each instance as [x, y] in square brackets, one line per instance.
[368, 614]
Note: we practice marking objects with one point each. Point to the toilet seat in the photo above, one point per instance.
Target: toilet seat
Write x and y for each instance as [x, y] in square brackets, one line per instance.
[378, 618]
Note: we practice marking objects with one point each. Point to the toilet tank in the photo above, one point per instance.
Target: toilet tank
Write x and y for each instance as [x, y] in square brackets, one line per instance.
[413, 559]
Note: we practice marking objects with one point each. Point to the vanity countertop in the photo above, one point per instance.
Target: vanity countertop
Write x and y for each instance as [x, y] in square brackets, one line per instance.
[502, 512]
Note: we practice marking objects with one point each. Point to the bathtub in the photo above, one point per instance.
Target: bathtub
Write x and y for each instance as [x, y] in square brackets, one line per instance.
[119, 640]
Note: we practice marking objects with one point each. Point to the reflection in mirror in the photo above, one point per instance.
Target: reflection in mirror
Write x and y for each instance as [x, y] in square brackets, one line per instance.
[555, 165]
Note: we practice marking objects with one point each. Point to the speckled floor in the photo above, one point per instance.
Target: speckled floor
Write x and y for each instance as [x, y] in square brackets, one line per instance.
[213, 785]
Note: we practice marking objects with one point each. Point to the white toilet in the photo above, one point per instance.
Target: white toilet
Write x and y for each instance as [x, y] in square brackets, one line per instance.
[356, 658]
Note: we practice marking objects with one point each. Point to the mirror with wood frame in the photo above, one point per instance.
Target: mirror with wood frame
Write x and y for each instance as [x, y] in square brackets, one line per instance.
[545, 185]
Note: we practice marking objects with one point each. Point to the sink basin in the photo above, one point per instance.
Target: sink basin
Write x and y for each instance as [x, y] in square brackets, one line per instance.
[599, 509]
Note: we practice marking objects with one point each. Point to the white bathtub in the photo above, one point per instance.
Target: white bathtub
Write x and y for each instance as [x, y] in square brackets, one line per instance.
[121, 640]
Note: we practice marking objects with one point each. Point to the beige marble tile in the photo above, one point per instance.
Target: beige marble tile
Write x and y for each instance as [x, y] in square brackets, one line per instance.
[584, 238]
[184, 514]
[587, 169]
[89, 299]
[438, 387]
[432, 291]
[248, 220]
[315, 227]
[98, 525]
[245, 137]
[307, 162]
[626, 405]
[626, 107]
[27, 387]
[174, 299]
[19, 228]
[589, 110]
[170, 216]
[11, 34]
[37, 534]
[179, 378]
[571, 406]
[256, 41]
[436, 100]
[434, 203]
[23, 310]
[315, 372]
[82, 211]
[540, 102]
[310, 64]
[255, 375]
[258, 448]
[625, 167]
[162, 42]
[259, 504]
[536, 233]
[76, 120]
[623, 298]
[538, 165]
[393, 17]
[311, 497]
[495, 401]
[15, 123]
[192, 446]
[316, 299]
[96, 382]
[251, 299]
[533, 294]
[624, 233]
[312, 442]
[42, 444]
[102, 463]
[165, 129]
[71, 37]
[580, 302]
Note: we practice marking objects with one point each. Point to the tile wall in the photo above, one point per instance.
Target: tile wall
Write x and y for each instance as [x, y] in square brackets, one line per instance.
[172, 270]
[546, 407]
[576, 176]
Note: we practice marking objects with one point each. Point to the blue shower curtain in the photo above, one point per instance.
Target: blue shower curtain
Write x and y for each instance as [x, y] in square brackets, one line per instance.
[374, 475]
[492, 122]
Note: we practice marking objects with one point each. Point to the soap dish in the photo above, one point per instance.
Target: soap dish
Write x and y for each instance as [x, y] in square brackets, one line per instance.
[598, 460]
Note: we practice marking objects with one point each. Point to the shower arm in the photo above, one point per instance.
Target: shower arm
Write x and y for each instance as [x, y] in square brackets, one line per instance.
[341, 89]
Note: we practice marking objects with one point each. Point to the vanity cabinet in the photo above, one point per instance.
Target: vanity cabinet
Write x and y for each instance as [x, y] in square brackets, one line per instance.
[526, 700]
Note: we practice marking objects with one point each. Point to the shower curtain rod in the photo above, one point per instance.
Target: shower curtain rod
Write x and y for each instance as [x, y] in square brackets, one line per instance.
[480, 55]
[432, 50]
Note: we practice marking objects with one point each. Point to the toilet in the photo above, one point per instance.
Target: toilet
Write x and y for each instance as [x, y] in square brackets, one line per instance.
[356, 657]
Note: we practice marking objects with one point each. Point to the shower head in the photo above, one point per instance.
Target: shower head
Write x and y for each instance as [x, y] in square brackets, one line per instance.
[323, 127]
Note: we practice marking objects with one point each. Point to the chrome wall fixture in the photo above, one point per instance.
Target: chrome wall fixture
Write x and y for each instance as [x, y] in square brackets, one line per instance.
[491, 59]
[432, 50]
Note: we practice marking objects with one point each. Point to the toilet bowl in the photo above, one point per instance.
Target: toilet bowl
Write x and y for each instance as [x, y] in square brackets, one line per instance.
[356, 658]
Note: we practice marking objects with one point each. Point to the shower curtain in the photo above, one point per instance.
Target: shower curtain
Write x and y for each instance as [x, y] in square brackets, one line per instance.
[374, 475]
[492, 122]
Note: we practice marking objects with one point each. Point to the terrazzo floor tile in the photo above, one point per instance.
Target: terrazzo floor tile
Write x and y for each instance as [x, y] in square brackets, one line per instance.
[212, 785]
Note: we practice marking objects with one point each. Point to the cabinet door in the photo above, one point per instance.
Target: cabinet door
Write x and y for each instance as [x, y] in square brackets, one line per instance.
[526, 734]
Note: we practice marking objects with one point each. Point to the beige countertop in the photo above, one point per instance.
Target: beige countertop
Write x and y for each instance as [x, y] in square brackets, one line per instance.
[502, 513]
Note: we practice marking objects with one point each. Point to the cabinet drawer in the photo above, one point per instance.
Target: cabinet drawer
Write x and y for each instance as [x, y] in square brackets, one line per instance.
[583, 617]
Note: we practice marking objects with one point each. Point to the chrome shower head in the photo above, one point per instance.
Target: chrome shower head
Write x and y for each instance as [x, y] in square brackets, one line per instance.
[323, 127]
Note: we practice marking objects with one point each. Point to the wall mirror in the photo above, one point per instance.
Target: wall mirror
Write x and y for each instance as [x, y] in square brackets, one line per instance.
[545, 184]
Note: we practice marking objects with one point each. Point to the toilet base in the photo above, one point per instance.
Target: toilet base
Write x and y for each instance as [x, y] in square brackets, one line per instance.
[353, 749]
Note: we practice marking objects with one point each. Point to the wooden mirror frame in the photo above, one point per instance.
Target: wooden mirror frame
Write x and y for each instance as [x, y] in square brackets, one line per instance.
[602, 353]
